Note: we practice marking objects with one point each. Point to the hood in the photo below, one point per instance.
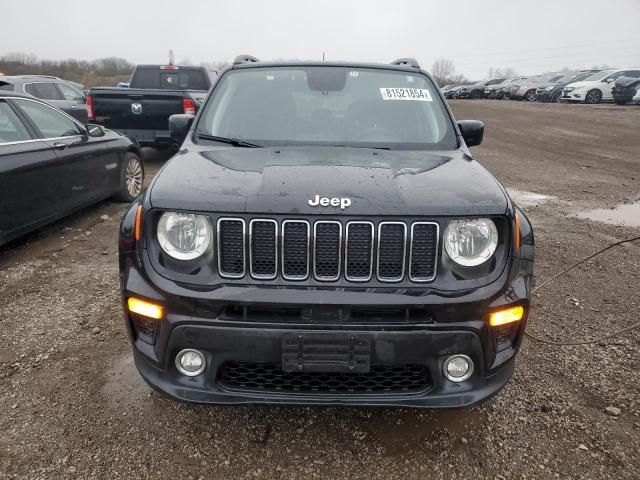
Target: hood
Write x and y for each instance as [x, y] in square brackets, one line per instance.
[283, 180]
[584, 84]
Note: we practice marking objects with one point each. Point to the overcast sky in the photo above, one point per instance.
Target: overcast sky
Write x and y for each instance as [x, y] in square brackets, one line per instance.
[532, 36]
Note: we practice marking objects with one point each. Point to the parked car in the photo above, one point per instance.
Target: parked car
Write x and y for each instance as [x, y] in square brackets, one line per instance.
[596, 88]
[453, 91]
[496, 90]
[51, 165]
[636, 98]
[552, 91]
[62, 94]
[155, 92]
[476, 90]
[526, 89]
[309, 245]
[624, 88]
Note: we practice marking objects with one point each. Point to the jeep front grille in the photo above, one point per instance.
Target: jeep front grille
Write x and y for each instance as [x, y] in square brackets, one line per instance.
[327, 250]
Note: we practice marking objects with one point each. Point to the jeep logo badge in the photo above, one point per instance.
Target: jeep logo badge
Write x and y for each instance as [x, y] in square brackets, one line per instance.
[342, 202]
[136, 108]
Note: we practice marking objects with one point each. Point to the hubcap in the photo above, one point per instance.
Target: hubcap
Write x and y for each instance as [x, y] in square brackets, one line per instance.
[134, 177]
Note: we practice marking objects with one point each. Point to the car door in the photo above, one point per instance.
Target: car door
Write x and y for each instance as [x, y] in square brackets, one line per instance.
[80, 156]
[29, 175]
[76, 100]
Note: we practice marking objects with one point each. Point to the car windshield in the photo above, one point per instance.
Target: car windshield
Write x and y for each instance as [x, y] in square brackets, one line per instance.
[599, 76]
[329, 106]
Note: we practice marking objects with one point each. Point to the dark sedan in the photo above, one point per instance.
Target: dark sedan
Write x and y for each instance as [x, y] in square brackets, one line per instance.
[625, 88]
[51, 165]
[67, 96]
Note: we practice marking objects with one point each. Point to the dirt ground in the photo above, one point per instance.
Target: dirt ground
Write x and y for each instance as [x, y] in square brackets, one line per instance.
[73, 406]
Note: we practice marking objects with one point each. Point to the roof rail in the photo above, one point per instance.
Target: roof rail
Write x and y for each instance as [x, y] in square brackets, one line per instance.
[409, 62]
[240, 59]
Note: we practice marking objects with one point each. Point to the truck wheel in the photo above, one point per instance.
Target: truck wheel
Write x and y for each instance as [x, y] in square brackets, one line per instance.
[132, 178]
[556, 97]
[593, 96]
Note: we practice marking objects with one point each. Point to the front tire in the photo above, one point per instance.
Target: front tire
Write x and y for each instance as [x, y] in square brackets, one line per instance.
[556, 97]
[132, 179]
[593, 96]
[530, 96]
[476, 95]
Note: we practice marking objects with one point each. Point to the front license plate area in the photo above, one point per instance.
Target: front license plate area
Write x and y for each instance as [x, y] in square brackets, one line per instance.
[326, 352]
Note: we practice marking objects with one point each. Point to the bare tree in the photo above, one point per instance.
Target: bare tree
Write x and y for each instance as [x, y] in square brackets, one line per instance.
[506, 72]
[443, 70]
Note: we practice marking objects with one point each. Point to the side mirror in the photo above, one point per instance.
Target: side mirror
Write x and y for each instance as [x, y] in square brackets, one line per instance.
[95, 131]
[609, 80]
[472, 132]
[179, 125]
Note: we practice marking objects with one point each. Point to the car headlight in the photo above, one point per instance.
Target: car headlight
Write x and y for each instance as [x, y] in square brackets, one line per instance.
[184, 236]
[471, 242]
[549, 88]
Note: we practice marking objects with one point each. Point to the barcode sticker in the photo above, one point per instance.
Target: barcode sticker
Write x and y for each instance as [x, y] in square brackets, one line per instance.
[414, 94]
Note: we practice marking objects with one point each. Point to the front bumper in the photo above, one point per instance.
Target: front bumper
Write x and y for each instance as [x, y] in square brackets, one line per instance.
[453, 323]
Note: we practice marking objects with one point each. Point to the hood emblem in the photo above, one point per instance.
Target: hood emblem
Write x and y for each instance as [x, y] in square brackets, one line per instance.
[342, 202]
[136, 108]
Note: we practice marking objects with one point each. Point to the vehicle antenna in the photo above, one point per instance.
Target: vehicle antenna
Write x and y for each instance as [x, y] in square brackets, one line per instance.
[170, 57]
[323, 56]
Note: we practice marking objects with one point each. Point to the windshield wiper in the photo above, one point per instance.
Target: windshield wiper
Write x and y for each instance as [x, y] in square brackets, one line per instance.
[231, 141]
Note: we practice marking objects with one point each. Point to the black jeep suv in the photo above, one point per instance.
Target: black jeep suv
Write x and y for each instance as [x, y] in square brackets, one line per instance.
[324, 236]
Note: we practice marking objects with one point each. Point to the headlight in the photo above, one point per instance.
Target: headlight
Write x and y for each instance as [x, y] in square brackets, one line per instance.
[549, 88]
[471, 242]
[184, 236]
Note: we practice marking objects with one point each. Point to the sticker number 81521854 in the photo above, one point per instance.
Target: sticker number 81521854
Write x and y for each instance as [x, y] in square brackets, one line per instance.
[415, 94]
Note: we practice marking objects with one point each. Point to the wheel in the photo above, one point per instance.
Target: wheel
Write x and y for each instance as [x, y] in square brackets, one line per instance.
[476, 95]
[132, 178]
[593, 96]
[530, 96]
[556, 97]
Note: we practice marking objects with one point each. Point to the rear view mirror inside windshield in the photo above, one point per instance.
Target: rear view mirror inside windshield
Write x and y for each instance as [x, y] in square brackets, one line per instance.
[326, 79]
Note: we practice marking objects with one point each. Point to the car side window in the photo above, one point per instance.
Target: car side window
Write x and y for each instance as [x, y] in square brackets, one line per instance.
[6, 86]
[30, 89]
[70, 93]
[614, 76]
[11, 127]
[50, 122]
[47, 91]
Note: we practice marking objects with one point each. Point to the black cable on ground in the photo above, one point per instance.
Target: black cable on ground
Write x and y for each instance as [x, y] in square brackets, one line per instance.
[595, 340]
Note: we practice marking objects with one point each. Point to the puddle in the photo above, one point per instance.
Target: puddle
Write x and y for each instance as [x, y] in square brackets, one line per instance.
[528, 199]
[124, 387]
[627, 215]
[402, 433]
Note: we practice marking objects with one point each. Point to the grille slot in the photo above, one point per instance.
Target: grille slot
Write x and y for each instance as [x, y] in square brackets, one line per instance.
[295, 249]
[424, 248]
[270, 377]
[392, 240]
[231, 247]
[359, 251]
[263, 248]
[327, 250]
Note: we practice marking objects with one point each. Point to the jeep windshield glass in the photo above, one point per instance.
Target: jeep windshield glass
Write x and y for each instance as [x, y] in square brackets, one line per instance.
[328, 106]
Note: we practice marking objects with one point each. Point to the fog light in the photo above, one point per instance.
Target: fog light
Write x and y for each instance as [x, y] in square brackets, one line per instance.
[142, 307]
[458, 368]
[190, 362]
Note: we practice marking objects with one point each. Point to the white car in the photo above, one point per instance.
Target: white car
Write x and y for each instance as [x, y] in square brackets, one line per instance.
[636, 97]
[597, 87]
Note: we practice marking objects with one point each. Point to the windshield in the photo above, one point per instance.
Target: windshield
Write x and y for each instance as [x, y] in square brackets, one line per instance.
[598, 76]
[334, 106]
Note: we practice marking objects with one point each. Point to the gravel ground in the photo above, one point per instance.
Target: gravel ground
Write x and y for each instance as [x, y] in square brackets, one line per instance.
[73, 406]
